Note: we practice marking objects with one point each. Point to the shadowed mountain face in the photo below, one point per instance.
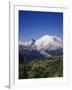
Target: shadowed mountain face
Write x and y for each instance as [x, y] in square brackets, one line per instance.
[46, 46]
[28, 54]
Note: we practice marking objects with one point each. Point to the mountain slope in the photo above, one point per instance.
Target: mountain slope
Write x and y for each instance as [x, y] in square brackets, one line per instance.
[46, 46]
[48, 42]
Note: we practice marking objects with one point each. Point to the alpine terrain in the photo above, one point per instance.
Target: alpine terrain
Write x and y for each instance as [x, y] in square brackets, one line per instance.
[41, 58]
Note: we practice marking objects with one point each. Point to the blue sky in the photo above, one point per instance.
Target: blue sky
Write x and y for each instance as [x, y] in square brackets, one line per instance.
[34, 24]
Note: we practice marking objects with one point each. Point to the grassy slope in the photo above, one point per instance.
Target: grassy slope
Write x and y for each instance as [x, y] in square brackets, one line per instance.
[42, 68]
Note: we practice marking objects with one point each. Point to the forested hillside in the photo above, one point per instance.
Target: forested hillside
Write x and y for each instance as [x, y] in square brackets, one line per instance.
[41, 68]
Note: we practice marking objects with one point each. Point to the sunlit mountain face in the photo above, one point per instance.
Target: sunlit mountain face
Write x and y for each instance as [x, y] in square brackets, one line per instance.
[40, 44]
[45, 46]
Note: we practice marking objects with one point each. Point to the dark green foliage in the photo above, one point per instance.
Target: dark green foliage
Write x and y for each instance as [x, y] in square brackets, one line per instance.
[41, 68]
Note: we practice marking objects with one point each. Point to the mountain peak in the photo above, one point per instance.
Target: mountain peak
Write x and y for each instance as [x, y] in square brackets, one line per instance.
[48, 42]
[46, 36]
[46, 46]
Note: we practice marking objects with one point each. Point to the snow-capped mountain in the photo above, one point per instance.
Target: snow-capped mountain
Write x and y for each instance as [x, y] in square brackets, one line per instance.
[27, 42]
[46, 46]
[48, 42]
